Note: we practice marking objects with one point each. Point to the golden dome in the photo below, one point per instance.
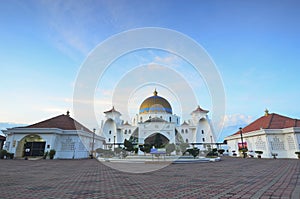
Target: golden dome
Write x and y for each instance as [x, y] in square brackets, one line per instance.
[155, 104]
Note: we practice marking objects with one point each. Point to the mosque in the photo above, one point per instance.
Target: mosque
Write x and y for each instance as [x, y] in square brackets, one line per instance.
[156, 120]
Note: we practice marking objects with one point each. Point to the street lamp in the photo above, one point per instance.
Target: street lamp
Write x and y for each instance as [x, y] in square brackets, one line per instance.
[114, 141]
[92, 154]
[243, 149]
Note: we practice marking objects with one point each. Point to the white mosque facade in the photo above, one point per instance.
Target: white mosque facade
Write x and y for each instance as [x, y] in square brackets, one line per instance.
[156, 117]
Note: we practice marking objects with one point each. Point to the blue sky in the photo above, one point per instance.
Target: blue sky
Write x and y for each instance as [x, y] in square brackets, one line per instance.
[254, 44]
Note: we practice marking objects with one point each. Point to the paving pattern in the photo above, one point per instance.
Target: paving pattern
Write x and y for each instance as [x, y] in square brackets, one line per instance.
[229, 178]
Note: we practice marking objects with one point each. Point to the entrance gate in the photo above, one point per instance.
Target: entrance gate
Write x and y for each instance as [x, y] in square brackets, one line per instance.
[34, 148]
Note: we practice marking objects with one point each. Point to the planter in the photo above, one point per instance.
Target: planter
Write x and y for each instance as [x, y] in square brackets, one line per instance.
[52, 154]
[258, 153]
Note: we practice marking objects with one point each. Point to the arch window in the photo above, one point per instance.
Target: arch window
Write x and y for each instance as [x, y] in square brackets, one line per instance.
[203, 139]
[186, 131]
[141, 119]
[160, 117]
[202, 131]
[129, 131]
[110, 132]
[187, 140]
[108, 139]
[170, 119]
[182, 131]
[125, 132]
[150, 117]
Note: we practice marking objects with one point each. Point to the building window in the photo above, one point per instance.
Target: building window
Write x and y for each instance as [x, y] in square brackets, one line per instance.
[170, 119]
[108, 139]
[129, 131]
[187, 141]
[182, 131]
[160, 117]
[125, 132]
[202, 131]
[186, 131]
[203, 139]
[109, 132]
[150, 117]
[141, 119]
[48, 146]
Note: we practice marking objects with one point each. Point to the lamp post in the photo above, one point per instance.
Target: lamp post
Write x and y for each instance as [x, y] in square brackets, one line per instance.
[114, 141]
[92, 154]
[243, 149]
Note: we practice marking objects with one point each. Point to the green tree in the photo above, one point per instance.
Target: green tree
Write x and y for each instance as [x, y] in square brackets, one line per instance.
[118, 150]
[170, 148]
[146, 148]
[52, 153]
[212, 153]
[183, 147]
[194, 151]
[221, 151]
[3, 153]
[128, 145]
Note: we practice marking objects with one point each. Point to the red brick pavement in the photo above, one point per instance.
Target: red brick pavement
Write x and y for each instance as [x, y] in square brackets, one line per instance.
[230, 178]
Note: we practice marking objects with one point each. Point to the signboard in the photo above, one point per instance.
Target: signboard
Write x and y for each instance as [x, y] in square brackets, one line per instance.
[240, 145]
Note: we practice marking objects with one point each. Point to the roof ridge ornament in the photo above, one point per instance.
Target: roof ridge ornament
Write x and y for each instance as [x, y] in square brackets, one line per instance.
[266, 112]
[155, 92]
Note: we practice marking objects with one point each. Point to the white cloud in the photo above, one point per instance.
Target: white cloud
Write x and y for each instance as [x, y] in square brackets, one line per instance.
[55, 110]
[168, 60]
[237, 119]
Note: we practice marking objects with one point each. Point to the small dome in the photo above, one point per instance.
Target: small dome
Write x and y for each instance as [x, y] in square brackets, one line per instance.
[155, 104]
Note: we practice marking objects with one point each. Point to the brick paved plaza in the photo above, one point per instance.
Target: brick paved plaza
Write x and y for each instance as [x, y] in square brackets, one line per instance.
[230, 178]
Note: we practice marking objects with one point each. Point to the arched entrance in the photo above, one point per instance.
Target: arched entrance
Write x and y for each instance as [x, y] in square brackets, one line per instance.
[157, 140]
[31, 145]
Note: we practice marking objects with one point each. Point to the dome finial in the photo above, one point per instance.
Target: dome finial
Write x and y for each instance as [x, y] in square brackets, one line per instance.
[266, 112]
[155, 92]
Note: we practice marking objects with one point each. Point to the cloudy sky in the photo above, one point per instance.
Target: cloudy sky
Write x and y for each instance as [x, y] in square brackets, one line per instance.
[44, 44]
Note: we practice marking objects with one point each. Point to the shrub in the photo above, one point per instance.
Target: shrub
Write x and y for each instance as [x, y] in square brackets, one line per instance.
[183, 147]
[10, 155]
[221, 151]
[128, 145]
[233, 153]
[212, 153]
[118, 150]
[45, 155]
[146, 148]
[170, 148]
[194, 151]
[3, 153]
[259, 153]
[99, 150]
[108, 153]
[105, 153]
[52, 153]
